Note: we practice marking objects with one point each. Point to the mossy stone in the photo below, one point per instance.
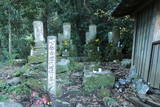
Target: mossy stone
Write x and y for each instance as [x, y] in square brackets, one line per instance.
[104, 92]
[93, 81]
[34, 83]
[62, 68]
[59, 91]
[36, 59]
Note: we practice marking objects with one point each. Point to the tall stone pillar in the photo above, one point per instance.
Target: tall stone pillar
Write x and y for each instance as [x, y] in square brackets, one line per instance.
[116, 35]
[87, 37]
[67, 31]
[92, 31]
[52, 64]
[110, 37]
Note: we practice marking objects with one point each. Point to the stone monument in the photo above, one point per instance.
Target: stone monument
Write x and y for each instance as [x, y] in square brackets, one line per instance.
[87, 37]
[116, 35]
[38, 52]
[38, 33]
[60, 38]
[110, 37]
[52, 64]
[67, 31]
[92, 32]
[39, 38]
[91, 35]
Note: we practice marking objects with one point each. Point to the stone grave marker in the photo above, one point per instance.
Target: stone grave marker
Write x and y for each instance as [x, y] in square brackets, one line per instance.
[92, 32]
[52, 64]
[116, 35]
[67, 31]
[87, 37]
[110, 37]
[39, 39]
[38, 33]
[60, 38]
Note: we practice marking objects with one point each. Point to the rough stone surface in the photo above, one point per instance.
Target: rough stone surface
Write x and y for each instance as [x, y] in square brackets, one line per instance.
[10, 104]
[104, 92]
[59, 103]
[79, 105]
[67, 30]
[59, 91]
[93, 81]
[14, 80]
[19, 61]
[36, 59]
[63, 65]
[126, 62]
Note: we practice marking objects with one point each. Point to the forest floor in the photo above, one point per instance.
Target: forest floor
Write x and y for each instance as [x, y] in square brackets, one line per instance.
[78, 99]
[73, 95]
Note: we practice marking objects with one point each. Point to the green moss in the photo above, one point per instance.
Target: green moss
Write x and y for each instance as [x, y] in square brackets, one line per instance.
[36, 59]
[34, 83]
[75, 65]
[21, 71]
[104, 92]
[59, 91]
[97, 81]
[3, 98]
[62, 68]
[108, 101]
[63, 78]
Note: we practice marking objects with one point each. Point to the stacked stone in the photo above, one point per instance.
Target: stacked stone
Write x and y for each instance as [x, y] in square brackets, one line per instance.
[39, 38]
[38, 53]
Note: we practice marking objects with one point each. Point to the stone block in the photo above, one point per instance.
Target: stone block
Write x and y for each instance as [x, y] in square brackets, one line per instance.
[93, 81]
[36, 59]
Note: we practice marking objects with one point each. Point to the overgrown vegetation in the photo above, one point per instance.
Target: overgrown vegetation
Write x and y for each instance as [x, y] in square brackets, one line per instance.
[17, 17]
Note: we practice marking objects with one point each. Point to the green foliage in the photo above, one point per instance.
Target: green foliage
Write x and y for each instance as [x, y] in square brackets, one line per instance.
[91, 50]
[108, 101]
[19, 89]
[112, 52]
[34, 83]
[3, 98]
[36, 59]
[75, 65]
[97, 81]
[104, 92]
[21, 71]
[59, 91]
[79, 13]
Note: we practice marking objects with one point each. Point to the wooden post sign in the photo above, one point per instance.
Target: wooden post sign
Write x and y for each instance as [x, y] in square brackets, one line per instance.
[52, 64]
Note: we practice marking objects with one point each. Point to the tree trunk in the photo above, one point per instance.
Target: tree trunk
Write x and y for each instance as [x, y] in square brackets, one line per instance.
[10, 34]
[45, 28]
[45, 20]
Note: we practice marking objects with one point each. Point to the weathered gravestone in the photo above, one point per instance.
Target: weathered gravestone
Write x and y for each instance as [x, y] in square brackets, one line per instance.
[67, 31]
[52, 64]
[91, 35]
[116, 35]
[60, 38]
[38, 33]
[92, 32]
[87, 37]
[37, 54]
[110, 37]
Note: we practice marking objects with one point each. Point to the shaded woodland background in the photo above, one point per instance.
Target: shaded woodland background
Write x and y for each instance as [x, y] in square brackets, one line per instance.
[17, 16]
